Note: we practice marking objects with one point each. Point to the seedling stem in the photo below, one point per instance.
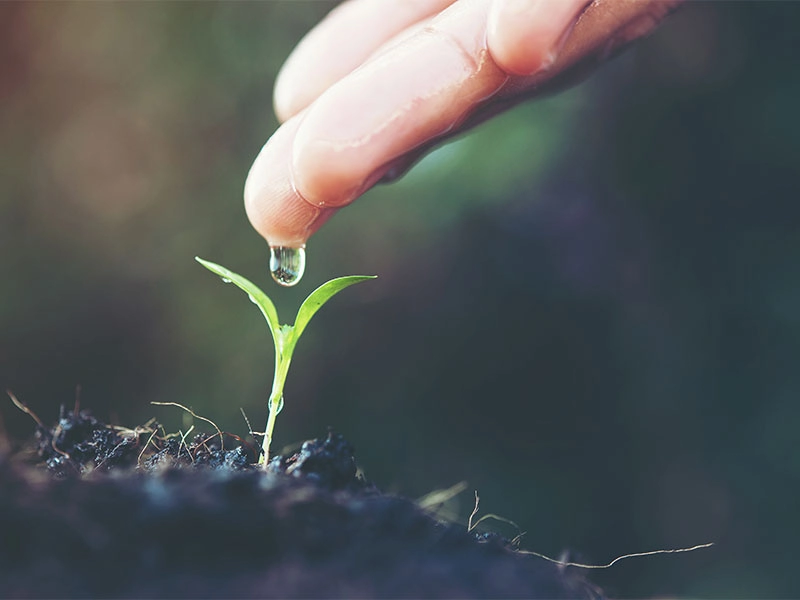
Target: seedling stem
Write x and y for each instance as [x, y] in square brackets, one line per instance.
[284, 336]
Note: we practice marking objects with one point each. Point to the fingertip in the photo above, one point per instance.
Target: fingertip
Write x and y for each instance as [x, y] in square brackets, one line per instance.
[337, 154]
[506, 39]
[525, 36]
[351, 136]
[274, 207]
[328, 177]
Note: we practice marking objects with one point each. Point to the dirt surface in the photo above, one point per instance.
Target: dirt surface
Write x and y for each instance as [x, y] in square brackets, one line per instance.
[98, 517]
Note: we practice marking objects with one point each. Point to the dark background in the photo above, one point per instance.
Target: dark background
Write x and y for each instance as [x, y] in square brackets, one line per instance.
[589, 308]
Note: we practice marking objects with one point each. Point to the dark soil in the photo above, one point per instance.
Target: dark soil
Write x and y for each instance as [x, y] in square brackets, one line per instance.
[98, 517]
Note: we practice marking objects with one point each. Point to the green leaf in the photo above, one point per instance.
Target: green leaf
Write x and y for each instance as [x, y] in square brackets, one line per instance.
[319, 297]
[258, 297]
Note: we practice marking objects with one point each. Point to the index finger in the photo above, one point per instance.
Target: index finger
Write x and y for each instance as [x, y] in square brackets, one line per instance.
[418, 90]
[421, 89]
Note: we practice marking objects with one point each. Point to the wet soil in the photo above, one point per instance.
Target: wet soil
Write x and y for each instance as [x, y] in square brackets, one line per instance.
[113, 512]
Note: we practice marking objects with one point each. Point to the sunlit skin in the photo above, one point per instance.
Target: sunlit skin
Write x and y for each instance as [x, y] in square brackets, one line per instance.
[376, 84]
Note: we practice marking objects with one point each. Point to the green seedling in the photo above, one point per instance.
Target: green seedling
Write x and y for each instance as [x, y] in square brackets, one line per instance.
[285, 337]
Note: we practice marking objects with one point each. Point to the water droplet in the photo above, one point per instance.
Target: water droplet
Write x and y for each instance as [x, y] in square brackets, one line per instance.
[280, 406]
[286, 264]
[226, 280]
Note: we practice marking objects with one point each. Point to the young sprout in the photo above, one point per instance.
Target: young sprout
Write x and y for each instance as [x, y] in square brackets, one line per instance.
[284, 336]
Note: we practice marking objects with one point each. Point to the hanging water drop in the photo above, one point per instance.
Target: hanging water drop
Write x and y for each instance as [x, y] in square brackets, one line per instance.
[286, 264]
[280, 406]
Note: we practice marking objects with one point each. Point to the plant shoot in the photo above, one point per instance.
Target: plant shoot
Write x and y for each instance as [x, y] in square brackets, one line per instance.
[285, 337]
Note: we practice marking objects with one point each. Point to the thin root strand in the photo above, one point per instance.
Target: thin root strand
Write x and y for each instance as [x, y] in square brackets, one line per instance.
[196, 416]
[24, 408]
[565, 563]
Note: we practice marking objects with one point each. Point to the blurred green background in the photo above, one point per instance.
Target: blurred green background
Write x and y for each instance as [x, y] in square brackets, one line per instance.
[589, 308]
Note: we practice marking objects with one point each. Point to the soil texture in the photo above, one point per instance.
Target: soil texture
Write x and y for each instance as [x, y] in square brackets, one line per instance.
[120, 513]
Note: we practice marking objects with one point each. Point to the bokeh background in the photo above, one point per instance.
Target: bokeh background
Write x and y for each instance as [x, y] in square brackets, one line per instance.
[589, 308]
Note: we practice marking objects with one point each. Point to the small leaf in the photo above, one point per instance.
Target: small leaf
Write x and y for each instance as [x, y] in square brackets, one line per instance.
[319, 297]
[258, 297]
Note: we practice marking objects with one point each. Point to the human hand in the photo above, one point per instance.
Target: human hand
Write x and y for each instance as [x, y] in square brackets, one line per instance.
[377, 83]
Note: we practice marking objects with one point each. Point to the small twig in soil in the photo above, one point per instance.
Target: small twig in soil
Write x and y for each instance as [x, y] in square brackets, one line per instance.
[150, 439]
[501, 519]
[565, 563]
[474, 512]
[438, 497]
[24, 408]
[243, 442]
[202, 444]
[183, 444]
[246, 420]
[136, 431]
[167, 436]
[471, 525]
[439, 503]
[255, 434]
[205, 441]
[196, 416]
[57, 432]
